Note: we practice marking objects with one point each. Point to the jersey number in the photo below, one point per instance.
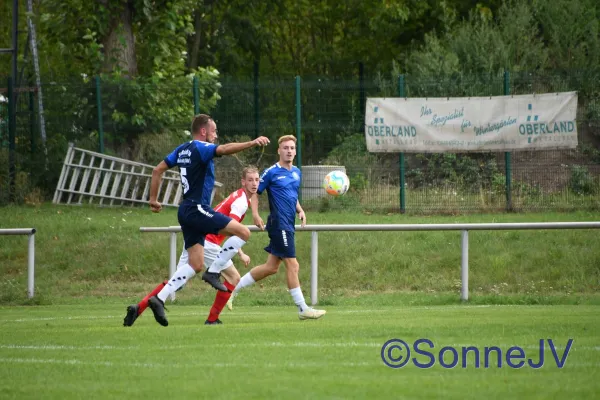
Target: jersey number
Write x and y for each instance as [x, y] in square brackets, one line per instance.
[184, 181]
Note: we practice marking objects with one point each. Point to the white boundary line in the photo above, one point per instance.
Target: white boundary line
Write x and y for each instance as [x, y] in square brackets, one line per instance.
[75, 362]
[59, 347]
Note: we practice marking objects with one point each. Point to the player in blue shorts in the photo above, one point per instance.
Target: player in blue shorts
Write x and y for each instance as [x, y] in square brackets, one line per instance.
[197, 219]
[282, 182]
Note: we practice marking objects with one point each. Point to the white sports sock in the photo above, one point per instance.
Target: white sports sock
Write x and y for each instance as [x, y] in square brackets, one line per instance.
[183, 258]
[298, 298]
[245, 281]
[180, 278]
[229, 249]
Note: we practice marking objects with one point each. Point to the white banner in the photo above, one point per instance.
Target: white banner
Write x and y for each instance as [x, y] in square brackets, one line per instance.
[473, 124]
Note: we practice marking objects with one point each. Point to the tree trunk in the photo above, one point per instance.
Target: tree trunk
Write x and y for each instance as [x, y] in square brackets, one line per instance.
[119, 44]
[195, 50]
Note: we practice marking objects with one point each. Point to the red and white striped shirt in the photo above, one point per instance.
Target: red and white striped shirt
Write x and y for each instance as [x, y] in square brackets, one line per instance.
[234, 206]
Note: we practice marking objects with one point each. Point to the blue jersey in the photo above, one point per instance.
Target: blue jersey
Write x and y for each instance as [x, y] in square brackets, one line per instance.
[282, 187]
[196, 168]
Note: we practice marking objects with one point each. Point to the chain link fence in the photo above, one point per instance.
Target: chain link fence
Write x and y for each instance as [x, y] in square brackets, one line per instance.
[144, 120]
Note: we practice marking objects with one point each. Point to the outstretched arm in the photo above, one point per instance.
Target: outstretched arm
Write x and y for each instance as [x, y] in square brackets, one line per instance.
[232, 148]
[157, 174]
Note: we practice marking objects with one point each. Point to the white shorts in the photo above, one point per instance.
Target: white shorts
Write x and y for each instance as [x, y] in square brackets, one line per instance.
[211, 251]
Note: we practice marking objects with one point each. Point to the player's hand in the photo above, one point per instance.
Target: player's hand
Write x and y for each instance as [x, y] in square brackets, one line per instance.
[258, 221]
[261, 141]
[245, 259]
[155, 206]
[302, 217]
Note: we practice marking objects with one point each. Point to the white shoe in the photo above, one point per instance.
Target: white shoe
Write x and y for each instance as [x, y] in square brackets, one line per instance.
[230, 303]
[311, 313]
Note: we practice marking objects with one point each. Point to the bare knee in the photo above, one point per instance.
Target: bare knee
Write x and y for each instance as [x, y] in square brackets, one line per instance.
[196, 257]
[272, 268]
[244, 233]
[231, 275]
[292, 266]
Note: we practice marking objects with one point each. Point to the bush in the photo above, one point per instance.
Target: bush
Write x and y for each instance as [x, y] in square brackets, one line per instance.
[582, 182]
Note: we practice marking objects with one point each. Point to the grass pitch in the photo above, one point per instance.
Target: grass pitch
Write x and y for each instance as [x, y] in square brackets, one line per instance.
[66, 352]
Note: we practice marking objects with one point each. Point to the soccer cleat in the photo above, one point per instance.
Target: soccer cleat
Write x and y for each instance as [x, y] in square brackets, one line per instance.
[132, 314]
[212, 278]
[230, 303]
[311, 313]
[158, 309]
[216, 322]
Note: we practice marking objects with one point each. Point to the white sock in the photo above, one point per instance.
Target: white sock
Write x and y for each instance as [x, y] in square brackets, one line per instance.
[229, 249]
[180, 278]
[183, 258]
[298, 298]
[245, 281]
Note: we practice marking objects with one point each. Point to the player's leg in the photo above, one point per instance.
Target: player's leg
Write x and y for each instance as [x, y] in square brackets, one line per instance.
[256, 274]
[190, 220]
[284, 246]
[135, 310]
[211, 251]
[238, 236]
[304, 311]
[222, 224]
[232, 277]
[176, 282]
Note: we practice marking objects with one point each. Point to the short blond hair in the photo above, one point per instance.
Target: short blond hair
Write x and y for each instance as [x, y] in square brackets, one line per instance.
[285, 138]
[249, 170]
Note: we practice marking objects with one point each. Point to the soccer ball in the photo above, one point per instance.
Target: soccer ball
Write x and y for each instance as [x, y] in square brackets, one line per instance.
[336, 183]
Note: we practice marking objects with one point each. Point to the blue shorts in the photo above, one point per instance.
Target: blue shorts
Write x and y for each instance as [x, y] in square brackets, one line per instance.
[198, 221]
[282, 243]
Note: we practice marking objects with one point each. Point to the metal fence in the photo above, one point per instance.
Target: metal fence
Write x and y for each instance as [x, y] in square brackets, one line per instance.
[464, 241]
[143, 121]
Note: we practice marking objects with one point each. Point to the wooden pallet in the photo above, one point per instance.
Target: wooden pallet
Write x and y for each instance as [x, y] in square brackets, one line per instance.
[96, 178]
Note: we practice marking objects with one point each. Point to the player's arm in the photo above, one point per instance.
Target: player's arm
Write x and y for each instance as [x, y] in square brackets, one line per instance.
[301, 214]
[232, 148]
[258, 221]
[157, 174]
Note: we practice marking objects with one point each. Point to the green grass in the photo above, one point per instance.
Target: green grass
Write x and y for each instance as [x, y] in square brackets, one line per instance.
[66, 352]
[87, 253]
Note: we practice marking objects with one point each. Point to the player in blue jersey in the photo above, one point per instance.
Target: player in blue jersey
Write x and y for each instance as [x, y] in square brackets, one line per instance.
[282, 182]
[195, 215]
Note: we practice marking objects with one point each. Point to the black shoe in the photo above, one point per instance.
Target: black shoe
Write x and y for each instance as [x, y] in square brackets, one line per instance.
[158, 308]
[132, 314]
[212, 278]
[217, 322]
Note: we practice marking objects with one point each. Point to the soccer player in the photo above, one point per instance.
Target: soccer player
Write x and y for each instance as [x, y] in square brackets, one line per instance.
[196, 218]
[234, 206]
[282, 182]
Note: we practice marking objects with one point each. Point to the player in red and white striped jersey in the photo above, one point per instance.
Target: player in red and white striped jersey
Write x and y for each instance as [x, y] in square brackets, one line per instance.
[234, 206]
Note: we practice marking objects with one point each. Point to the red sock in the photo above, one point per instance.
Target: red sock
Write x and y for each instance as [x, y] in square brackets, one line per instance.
[220, 300]
[144, 303]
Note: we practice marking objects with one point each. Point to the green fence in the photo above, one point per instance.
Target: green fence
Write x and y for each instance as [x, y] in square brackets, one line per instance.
[144, 120]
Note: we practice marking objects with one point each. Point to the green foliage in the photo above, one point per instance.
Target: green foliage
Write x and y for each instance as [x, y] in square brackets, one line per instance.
[351, 152]
[466, 46]
[465, 171]
[75, 35]
[582, 182]
[154, 105]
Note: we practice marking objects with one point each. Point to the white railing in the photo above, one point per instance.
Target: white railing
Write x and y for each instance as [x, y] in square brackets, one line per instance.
[30, 254]
[464, 228]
